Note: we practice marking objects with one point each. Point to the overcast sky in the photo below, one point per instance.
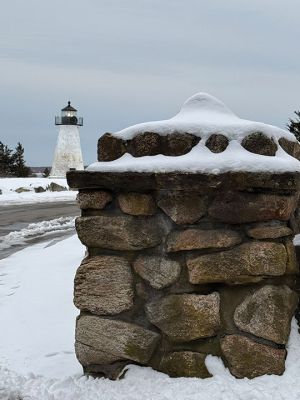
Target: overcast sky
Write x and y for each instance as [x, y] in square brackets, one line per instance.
[121, 62]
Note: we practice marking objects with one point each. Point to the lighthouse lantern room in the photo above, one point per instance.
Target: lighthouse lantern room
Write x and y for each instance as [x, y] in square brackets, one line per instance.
[68, 116]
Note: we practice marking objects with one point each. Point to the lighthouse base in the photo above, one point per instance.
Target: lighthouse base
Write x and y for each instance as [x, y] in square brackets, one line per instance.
[68, 155]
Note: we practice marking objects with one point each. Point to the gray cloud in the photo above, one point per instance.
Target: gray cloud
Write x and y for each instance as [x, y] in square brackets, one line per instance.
[123, 62]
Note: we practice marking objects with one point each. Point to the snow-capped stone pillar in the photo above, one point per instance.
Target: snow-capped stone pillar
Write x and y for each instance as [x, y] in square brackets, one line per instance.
[189, 225]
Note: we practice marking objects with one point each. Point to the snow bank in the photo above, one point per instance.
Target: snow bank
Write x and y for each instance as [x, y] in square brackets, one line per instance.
[39, 229]
[203, 115]
[37, 360]
[9, 196]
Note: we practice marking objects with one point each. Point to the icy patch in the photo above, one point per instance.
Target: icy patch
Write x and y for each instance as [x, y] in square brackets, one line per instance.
[39, 229]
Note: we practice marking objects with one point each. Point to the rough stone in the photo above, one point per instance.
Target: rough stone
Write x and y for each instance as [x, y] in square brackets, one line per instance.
[145, 144]
[158, 271]
[177, 144]
[238, 207]
[184, 364]
[110, 147]
[55, 187]
[142, 291]
[200, 182]
[292, 148]
[39, 189]
[248, 262]
[185, 317]
[101, 340]
[104, 285]
[267, 313]
[22, 190]
[113, 371]
[119, 232]
[217, 143]
[268, 230]
[88, 355]
[249, 359]
[292, 264]
[259, 143]
[191, 239]
[184, 209]
[95, 200]
[137, 203]
[131, 180]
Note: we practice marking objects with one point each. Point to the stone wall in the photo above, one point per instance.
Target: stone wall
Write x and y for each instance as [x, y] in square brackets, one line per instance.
[180, 266]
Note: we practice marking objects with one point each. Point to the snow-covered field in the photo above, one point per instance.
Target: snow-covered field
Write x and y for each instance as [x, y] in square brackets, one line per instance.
[37, 360]
[9, 196]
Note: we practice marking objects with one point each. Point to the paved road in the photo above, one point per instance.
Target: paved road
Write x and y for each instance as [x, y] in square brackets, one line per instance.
[17, 217]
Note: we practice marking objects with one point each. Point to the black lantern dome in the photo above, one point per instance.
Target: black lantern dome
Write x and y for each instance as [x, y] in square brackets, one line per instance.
[68, 116]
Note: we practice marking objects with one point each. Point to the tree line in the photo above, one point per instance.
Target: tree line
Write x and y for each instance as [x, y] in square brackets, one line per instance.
[12, 162]
[294, 125]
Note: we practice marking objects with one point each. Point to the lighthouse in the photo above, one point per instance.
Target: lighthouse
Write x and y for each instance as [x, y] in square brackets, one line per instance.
[68, 155]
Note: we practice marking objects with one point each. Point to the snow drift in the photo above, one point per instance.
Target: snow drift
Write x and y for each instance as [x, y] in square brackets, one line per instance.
[203, 115]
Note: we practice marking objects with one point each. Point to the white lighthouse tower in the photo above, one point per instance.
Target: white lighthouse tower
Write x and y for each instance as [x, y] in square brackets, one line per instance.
[68, 155]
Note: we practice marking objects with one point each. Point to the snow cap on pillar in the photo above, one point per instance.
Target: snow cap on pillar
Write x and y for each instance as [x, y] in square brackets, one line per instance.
[205, 136]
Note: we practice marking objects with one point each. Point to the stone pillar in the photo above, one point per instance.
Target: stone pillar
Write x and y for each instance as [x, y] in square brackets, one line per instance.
[182, 265]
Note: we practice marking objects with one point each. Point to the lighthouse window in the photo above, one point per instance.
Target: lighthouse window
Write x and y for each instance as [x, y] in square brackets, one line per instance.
[68, 113]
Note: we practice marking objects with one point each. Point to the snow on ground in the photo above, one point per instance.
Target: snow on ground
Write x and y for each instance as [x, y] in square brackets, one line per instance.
[203, 115]
[37, 314]
[37, 360]
[9, 196]
[37, 230]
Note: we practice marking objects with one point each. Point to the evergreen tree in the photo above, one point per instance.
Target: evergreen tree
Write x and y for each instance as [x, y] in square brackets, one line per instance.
[19, 166]
[294, 125]
[46, 172]
[6, 160]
